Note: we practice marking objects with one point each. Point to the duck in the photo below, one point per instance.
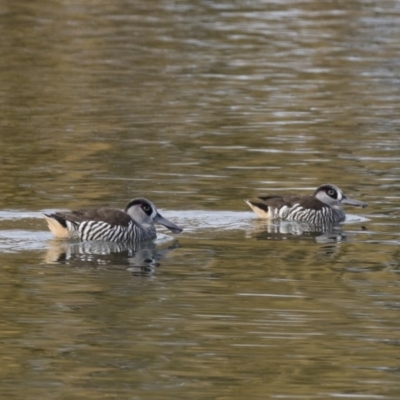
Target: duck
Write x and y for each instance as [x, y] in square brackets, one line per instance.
[324, 206]
[134, 224]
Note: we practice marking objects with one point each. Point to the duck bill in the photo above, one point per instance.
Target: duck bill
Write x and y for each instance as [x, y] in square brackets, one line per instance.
[159, 219]
[352, 202]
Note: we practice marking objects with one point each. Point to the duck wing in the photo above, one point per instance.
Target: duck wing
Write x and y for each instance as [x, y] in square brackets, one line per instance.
[307, 202]
[111, 216]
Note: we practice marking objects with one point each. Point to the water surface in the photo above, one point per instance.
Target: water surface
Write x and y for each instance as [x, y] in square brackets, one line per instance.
[198, 106]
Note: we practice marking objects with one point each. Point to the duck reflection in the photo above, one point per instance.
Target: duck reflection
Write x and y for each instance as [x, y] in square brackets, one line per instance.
[284, 230]
[138, 258]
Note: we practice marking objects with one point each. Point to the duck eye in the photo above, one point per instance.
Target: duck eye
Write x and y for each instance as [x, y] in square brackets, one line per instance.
[331, 192]
[146, 208]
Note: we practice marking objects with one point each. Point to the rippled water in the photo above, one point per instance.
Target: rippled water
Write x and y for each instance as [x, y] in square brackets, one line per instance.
[199, 106]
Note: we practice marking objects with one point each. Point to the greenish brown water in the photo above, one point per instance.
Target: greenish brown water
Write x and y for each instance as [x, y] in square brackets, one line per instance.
[198, 106]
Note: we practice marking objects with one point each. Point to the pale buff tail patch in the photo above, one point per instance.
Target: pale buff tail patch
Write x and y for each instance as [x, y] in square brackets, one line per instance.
[260, 212]
[55, 227]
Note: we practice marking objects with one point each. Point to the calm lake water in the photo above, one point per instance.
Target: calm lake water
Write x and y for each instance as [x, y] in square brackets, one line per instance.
[198, 105]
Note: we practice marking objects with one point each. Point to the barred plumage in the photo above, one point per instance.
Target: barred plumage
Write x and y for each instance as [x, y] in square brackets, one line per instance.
[134, 224]
[324, 215]
[324, 206]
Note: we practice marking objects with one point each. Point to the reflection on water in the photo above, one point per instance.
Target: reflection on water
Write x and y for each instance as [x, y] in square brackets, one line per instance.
[324, 233]
[293, 230]
[141, 257]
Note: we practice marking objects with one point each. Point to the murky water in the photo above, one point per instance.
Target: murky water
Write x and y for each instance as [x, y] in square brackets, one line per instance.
[198, 106]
